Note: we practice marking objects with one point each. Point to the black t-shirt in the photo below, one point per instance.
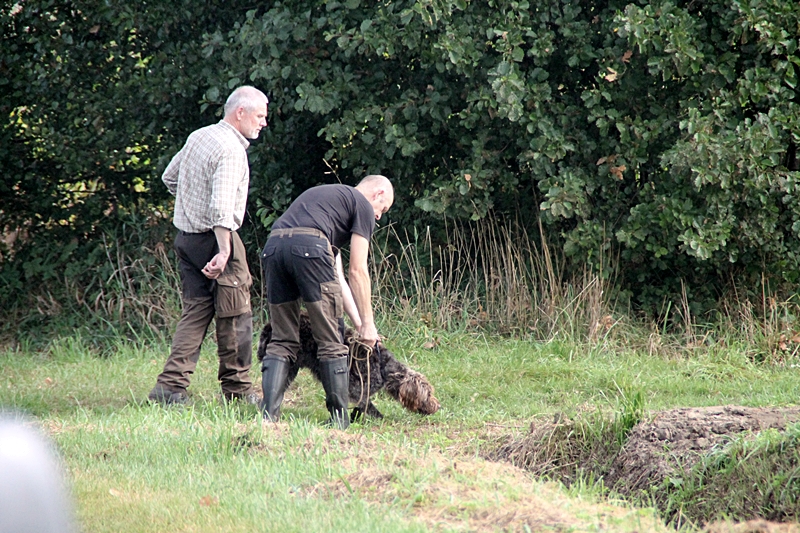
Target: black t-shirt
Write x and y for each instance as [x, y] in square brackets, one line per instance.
[336, 210]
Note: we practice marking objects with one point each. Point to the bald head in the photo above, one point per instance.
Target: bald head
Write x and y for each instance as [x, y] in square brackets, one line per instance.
[379, 191]
[246, 110]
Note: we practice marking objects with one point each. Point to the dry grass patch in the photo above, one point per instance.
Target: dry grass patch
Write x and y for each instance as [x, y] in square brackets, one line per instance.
[752, 526]
[461, 493]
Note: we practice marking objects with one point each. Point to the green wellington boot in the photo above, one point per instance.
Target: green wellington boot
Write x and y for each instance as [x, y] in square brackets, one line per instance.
[335, 378]
[274, 371]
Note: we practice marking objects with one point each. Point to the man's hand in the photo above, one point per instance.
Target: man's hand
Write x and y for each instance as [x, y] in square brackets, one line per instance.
[216, 266]
[368, 334]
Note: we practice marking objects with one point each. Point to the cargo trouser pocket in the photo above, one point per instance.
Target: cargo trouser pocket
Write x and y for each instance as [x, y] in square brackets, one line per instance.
[266, 253]
[332, 298]
[233, 297]
[313, 252]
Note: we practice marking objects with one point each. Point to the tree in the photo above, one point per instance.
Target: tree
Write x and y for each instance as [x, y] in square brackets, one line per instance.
[97, 97]
[665, 133]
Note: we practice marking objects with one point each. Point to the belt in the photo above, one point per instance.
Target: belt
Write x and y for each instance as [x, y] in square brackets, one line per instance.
[209, 232]
[288, 232]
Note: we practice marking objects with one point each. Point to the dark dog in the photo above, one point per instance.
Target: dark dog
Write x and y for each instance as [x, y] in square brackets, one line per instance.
[369, 373]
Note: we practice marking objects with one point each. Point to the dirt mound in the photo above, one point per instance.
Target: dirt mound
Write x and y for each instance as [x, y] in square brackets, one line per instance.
[673, 441]
[645, 462]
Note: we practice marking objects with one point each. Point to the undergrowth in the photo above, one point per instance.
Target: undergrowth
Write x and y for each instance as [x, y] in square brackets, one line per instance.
[123, 285]
[487, 278]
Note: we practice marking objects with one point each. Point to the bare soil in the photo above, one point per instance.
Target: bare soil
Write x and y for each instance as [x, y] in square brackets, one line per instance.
[675, 440]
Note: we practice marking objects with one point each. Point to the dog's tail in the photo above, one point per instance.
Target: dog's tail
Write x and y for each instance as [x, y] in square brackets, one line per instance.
[263, 340]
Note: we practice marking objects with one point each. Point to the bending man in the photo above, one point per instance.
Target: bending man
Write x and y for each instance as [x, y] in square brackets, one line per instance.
[300, 262]
[209, 178]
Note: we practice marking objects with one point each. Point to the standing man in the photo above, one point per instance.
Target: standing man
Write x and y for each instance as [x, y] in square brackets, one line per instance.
[209, 178]
[301, 261]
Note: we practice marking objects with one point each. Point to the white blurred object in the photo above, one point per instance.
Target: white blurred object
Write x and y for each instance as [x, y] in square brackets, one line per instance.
[33, 494]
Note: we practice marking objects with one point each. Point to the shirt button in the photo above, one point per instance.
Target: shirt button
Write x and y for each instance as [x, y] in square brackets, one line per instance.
[306, 254]
[235, 282]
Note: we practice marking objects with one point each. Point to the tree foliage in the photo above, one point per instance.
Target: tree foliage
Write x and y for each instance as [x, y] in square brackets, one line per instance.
[96, 98]
[660, 136]
[666, 132]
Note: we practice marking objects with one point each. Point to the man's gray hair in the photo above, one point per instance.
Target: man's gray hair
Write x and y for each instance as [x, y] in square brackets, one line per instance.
[245, 96]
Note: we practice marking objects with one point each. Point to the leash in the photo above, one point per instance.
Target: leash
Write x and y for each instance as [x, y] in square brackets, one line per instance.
[355, 349]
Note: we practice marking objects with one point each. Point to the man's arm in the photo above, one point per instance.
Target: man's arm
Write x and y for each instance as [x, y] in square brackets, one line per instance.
[361, 288]
[229, 174]
[349, 304]
[214, 268]
[170, 175]
[230, 170]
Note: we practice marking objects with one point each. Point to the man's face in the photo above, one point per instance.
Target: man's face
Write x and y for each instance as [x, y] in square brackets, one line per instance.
[381, 203]
[252, 120]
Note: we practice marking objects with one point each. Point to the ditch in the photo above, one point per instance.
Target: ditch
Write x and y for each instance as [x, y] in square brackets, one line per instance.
[697, 466]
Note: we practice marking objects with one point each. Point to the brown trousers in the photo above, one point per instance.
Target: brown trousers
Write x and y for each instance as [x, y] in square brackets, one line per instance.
[227, 298]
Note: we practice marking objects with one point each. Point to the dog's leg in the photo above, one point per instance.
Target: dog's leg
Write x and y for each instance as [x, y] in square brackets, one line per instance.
[358, 413]
[373, 411]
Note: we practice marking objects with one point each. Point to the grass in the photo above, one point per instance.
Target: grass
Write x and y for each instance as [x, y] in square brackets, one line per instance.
[508, 345]
[752, 475]
[211, 467]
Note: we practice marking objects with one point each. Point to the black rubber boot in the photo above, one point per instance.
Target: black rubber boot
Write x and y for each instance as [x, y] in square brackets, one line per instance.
[335, 377]
[274, 371]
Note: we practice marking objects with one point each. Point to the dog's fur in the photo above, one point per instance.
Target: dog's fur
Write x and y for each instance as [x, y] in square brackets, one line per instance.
[368, 375]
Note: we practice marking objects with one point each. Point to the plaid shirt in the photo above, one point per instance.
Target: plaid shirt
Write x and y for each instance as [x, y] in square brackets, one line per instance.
[209, 178]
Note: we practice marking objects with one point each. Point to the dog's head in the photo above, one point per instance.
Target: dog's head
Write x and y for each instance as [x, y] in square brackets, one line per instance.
[417, 394]
[409, 387]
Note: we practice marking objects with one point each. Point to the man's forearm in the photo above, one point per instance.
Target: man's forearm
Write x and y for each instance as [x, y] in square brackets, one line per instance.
[216, 266]
[350, 306]
[223, 236]
[362, 294]
[361, 287]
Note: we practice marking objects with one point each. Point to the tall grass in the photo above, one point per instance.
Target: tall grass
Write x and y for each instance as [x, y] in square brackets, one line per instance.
[138, 290]
[489, 274]
[493, 276]
[124, 284]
